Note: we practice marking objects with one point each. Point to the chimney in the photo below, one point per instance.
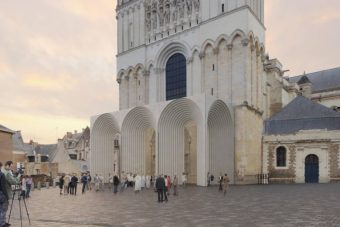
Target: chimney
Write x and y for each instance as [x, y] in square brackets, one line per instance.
[75, 131]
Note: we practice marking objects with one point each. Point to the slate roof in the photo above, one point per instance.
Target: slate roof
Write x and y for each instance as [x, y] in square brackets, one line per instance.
[326, 80]
[46, 150]
[4, 129]
[19, 145]
[302, 114]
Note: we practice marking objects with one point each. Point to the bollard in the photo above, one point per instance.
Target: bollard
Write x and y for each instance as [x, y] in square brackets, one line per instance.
[47, 185]
[39, 185]
[54, 183]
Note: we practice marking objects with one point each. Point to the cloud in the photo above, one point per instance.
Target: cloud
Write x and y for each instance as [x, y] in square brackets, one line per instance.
[59, 83]
[57, 59]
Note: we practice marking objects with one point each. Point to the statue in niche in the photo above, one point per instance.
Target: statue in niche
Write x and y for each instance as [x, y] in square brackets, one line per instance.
[147, 16]
[167, 14]
[180, 6]
[189, 6]
[154, 19]
[148, 21]
[174, 10]
[197, 5]
[154, 14]
[161, 15]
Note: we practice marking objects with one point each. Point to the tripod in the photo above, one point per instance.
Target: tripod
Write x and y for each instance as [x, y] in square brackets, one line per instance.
[19, 199]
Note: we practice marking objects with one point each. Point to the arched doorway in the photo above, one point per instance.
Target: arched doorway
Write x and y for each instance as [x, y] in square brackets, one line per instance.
[180, 131]
[312, 169]
[138, 142]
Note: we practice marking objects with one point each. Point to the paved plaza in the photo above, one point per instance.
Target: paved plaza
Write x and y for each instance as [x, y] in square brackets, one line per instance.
[254, 205]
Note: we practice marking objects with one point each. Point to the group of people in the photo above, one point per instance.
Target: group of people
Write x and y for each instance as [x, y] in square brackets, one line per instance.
[68, 183]
[163, 185]
[7, 180]
[223, 182]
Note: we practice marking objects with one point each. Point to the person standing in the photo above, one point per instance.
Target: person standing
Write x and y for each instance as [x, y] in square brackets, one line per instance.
[89, 179]
[168, 184]
[74, 182]
[208, 179]
[61, 184]
[160, 186]
[96, 182]
[175, 183]
[184, 179]
[10, 180]
[138, 183]
[110, 182]
[84, 182]
[66, 184]
[115, 184]
[23, 187]
[28, 186]
[225, 183]
[220, 181]
[3, 199]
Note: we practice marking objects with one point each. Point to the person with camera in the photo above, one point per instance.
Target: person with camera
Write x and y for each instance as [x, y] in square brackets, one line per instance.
[10, 180]
[3, 199]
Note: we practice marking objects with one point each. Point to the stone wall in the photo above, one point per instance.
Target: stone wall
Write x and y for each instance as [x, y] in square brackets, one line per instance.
[248, 135]
[281, 175]
[334, 154]
[5, 147]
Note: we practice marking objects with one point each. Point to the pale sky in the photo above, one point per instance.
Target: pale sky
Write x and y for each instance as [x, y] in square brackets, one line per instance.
[57, 57]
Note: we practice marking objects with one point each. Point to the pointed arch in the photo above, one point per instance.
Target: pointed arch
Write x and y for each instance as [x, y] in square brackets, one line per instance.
[104, 130]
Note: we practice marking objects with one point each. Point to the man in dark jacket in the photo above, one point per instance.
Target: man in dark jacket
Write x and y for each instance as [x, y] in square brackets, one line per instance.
[3, 199]
[84, 181]
[115, 184]
[74, 183]
[160, 186]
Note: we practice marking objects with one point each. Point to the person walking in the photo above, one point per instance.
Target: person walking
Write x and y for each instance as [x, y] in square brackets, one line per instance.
[175, 184]
[115, 183]
[3, 199]
[225, 184]
[84, 182]
[28, 186]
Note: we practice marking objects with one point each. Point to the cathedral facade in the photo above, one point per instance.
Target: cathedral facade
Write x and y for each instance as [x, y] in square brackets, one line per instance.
[195, 87]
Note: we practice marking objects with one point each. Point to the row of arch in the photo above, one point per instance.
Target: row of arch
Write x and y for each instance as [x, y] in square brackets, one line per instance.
[249, 38]
[163, 142]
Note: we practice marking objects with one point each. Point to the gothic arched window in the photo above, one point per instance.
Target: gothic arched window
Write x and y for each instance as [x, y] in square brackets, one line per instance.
[176, 77]
[281, 155]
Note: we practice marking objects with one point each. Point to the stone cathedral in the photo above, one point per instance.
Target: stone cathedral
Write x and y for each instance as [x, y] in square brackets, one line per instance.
[199, 94]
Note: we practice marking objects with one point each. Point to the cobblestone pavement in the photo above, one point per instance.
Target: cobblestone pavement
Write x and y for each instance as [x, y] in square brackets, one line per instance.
[255, 205]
